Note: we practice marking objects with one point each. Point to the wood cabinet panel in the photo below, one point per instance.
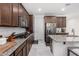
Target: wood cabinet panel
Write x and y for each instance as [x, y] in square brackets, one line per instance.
[64, 21]
[21, 48]
[20, 53]
[10, 14]
[31, 23]
[50, 19]
[61, 22]
[0, 16]
[20, 10]
[29, 43]
[24, 14]
[6, 11]
[24, 49]
[15, 14]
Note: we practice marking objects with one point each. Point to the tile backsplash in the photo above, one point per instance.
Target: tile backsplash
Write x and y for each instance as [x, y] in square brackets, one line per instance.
[6, 31]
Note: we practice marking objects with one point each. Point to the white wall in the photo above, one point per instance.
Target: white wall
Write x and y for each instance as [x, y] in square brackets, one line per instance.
[73, 22]
[39, 27]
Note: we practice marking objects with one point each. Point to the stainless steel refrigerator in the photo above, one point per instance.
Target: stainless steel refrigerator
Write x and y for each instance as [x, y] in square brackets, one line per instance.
[50, 29]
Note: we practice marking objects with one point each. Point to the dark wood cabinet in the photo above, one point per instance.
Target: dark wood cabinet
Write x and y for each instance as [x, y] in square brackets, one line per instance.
[24, 14]
[5, 14]
[31, 23]
[10, 14]
[20, 50]
[15, 14]
[20, 10]
[29, 43]
[24, 49]
[64, 21]
[20, 53]
[61, 22]
[50, 19]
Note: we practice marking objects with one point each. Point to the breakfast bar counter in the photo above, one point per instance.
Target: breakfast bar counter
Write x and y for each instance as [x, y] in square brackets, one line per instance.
[60, 43]
[64, 38]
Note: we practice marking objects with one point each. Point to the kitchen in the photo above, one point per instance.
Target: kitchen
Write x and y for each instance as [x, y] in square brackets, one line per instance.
[16, 34]
[31, 29]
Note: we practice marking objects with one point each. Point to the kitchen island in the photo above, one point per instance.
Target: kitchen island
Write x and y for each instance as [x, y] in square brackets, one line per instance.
[62, 42]
[21, 47]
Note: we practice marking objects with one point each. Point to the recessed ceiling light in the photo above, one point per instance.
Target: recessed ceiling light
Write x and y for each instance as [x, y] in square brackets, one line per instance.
[39, 9]
[63, 9]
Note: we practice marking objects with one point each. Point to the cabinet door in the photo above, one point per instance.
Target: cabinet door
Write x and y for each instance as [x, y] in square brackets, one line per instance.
[50, 19]
[24, 51]
[28, 46]
[6, 16]
[31, 23]
[63, 21]
[0, 14]
[20, 11]
[59, 22]
[15, 14]
[20, 53]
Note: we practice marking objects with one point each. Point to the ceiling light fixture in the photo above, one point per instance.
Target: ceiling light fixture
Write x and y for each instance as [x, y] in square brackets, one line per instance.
[63, 9]
[39, 9]
[66, 5]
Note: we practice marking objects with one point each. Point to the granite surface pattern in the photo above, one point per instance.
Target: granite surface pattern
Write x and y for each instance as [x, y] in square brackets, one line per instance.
[18, 42]
[64, 38]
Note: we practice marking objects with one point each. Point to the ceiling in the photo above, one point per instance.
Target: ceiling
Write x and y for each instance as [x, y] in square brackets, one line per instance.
[52, 8]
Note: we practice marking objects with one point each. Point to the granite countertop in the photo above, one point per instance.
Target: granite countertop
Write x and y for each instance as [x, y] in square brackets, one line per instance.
[18, 42]
[64, 38]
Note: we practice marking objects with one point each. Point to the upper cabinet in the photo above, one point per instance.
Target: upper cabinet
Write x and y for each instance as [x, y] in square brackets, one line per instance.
[21, 10]
[5, 14]
[31, 23]
[12, 13]
[50, 19]
[60, 21]
[23, 15]
[15, 13]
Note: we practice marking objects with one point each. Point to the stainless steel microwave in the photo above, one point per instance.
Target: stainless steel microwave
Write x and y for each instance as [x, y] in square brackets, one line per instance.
[23, 22]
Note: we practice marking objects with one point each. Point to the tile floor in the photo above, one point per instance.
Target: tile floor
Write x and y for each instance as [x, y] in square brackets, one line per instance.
[40, 50]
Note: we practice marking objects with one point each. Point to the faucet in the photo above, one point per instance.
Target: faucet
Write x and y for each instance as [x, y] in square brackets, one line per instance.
[73, 31]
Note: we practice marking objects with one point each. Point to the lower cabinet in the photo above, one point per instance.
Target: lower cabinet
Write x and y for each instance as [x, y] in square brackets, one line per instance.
[29, 44]
[20, 53]
[24, 49]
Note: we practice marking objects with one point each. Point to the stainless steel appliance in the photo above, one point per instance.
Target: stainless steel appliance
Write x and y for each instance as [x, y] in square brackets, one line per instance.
[23, 21]
[50, 28]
